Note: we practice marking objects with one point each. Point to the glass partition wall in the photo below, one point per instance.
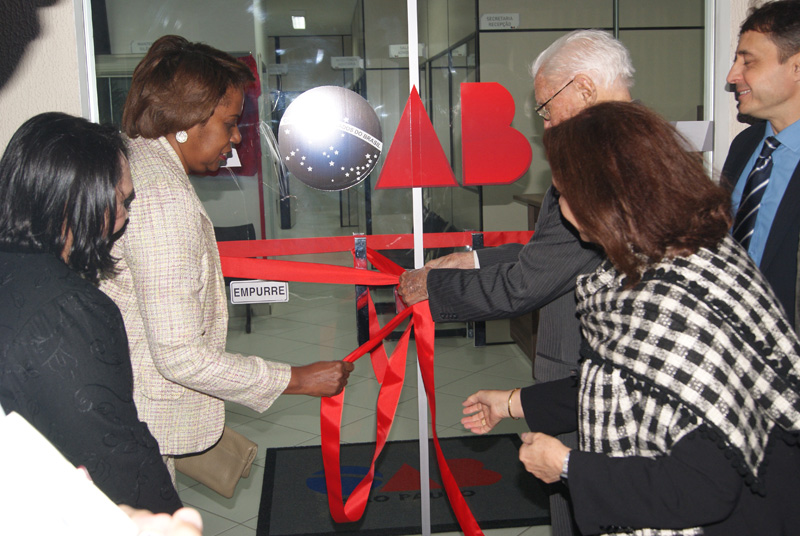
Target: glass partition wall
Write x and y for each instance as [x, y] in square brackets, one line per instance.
[458, 44]
[362, 45]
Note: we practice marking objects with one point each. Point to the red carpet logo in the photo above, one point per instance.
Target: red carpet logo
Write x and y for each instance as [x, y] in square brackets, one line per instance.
[468, 473]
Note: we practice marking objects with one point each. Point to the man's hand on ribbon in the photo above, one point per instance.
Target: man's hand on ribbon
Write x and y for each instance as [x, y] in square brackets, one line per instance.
[323, 378]
[413, 287]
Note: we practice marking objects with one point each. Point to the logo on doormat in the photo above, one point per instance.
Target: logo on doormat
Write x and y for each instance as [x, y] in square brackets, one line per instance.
[468, 472]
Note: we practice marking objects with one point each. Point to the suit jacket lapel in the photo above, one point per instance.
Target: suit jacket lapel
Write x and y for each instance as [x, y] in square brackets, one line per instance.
[787, 213]
[740, 152]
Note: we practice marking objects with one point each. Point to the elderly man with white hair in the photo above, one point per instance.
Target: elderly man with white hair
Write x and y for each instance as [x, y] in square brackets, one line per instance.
[578, 70]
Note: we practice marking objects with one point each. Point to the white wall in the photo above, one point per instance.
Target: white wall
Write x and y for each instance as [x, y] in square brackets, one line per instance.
[668, 62]
[506, 58]
[730, 15]
[46, 78]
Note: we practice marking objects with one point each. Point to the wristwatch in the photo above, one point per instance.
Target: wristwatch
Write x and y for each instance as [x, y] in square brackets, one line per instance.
[565, 466]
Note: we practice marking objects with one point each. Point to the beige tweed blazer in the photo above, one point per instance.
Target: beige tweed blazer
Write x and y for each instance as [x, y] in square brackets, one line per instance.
[170, 290]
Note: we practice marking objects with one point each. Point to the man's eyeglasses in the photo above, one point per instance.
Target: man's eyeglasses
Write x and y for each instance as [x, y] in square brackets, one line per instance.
[544, 112]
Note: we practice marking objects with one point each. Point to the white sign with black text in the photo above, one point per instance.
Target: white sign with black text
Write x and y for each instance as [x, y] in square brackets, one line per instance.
[346, 62]
[499, 21]
[258, 291]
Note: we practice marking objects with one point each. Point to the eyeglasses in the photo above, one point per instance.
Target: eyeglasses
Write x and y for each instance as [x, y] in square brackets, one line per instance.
[543, 112]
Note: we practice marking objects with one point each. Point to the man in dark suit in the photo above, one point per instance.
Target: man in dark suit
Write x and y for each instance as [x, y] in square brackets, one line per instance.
[578, 70]
[766, 78]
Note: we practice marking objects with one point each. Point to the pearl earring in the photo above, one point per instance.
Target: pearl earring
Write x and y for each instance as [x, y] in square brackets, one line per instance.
[181, 136]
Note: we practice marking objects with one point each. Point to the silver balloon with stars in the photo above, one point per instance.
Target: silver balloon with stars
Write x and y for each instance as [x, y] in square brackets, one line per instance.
[330, 138]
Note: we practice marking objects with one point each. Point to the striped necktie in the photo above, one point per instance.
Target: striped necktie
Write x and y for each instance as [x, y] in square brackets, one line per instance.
[754, 189]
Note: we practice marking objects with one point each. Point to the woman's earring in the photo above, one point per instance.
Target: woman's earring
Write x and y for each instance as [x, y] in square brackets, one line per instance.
[181, 136]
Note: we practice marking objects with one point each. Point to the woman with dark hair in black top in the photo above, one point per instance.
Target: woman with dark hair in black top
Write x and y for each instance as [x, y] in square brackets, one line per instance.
[64, 364]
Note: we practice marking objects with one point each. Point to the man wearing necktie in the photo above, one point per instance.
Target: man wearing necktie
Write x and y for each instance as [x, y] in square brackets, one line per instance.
[763, 164]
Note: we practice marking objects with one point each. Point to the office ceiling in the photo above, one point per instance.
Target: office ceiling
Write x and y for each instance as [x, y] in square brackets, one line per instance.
[323, 17]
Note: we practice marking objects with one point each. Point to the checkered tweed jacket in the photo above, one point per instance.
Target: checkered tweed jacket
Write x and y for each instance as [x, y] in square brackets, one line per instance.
[701, 340]
[170, 290]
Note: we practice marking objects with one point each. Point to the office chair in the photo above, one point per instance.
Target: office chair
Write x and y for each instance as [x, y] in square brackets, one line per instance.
[237, 232]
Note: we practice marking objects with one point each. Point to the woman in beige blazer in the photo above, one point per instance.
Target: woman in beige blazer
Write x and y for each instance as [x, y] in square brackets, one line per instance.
[181, 117]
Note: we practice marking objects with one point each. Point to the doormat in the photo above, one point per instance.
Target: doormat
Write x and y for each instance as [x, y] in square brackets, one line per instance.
[492, 480]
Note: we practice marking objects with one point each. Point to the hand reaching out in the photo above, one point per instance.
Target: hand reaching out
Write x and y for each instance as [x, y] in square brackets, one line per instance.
[485, 409]
[323, 378]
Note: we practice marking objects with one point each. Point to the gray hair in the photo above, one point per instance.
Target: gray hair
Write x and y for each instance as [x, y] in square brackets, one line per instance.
[593, 52]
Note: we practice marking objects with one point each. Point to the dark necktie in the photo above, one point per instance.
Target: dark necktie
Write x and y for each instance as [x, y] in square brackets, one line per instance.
[753, 192]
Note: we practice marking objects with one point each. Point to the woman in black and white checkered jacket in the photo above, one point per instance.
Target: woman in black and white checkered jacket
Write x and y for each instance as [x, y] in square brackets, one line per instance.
[688, 392]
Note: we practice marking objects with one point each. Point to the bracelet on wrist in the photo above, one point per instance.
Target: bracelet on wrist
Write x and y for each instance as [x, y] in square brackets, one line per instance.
[511, 394]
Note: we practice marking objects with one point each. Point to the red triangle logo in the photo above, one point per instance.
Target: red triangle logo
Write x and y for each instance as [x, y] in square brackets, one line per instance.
[415, 158]
[468, 472]
[406, 479]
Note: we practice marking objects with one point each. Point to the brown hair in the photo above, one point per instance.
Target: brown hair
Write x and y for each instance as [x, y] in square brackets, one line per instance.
[177, 85]
[780, 21]
[633, 187]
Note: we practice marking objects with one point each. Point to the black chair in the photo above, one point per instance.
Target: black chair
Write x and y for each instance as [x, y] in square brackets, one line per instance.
[237, 232]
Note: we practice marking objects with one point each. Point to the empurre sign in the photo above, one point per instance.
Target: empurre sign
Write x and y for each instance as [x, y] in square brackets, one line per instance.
[258, 291]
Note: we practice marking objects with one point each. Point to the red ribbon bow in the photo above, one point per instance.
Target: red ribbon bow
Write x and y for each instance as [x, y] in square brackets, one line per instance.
[389, 372]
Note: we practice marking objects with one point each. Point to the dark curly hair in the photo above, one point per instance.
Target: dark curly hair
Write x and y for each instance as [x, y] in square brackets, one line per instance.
[59, 173]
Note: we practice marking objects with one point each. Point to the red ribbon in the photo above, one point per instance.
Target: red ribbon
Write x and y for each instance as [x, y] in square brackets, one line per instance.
[388, 396]
[331, 420]
[389, 372]
[305, 246]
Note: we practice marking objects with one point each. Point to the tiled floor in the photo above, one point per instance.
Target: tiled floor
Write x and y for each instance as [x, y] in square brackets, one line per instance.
[318, 323]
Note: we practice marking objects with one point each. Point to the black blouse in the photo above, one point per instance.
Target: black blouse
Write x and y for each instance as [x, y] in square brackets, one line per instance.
[65, 367]
[694, 485]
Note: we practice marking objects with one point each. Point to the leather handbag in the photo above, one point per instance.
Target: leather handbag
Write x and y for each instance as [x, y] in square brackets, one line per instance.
[221, 466]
